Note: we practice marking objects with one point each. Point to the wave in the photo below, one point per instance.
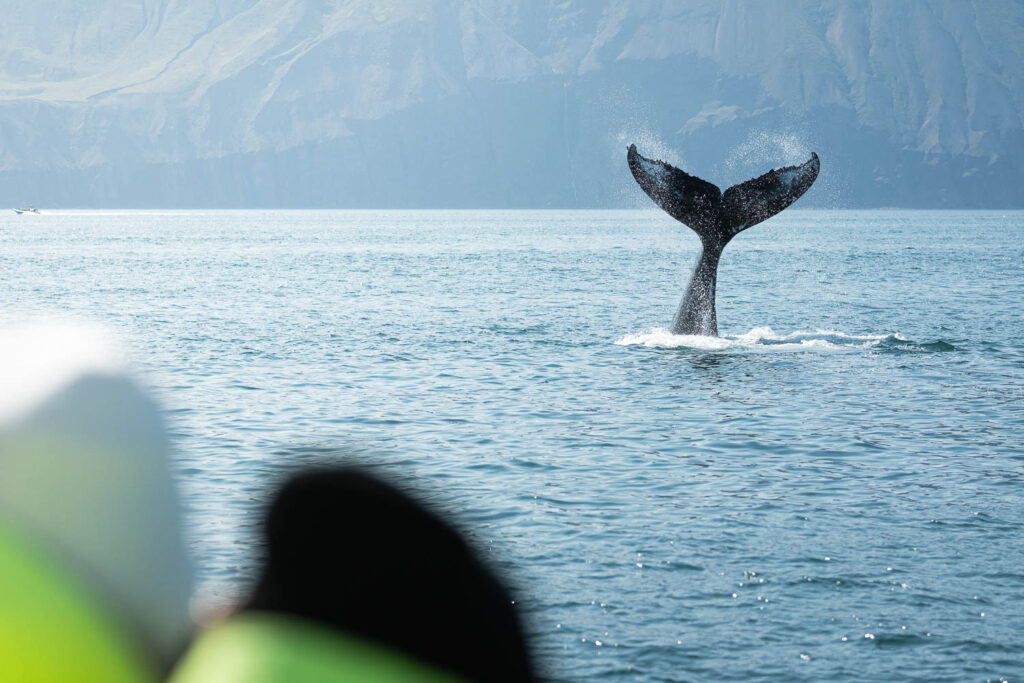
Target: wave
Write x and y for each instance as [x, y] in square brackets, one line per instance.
[764, 339]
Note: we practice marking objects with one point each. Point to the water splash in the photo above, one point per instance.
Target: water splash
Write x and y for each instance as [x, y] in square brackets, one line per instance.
[768, 148]
[765, 149]
[764, 339]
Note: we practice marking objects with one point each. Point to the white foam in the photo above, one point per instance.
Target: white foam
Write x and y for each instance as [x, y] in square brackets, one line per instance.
[759, 339]
[663, 339]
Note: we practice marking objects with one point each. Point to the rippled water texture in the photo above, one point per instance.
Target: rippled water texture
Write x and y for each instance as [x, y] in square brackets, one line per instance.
[832, 491]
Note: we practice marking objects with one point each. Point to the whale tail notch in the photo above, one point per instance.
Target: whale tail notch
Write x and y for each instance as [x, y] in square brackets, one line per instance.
[708, 211]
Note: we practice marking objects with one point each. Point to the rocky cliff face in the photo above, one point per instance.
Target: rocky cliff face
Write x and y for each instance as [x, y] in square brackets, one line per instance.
[504, 102]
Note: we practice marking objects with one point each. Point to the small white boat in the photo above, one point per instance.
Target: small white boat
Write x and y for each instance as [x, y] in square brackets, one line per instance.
[26, 209]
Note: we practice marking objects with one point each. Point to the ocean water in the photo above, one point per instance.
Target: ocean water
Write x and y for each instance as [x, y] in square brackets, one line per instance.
[832, 490]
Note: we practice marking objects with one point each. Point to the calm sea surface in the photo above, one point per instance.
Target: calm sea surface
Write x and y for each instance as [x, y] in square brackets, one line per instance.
[832, 491]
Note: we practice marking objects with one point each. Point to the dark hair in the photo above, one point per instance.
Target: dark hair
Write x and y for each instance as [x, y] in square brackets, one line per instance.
[349, 551]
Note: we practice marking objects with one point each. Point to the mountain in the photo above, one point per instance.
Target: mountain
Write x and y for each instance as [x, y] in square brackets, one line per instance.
[504, 103]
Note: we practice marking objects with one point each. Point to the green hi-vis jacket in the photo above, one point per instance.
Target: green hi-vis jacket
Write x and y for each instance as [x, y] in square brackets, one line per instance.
[261, 647]
[53, 628]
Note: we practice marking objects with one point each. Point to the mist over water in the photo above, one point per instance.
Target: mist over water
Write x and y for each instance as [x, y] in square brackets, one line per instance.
[829, 491]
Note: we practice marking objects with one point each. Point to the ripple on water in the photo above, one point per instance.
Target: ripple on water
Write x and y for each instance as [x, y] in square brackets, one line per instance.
[483, 356]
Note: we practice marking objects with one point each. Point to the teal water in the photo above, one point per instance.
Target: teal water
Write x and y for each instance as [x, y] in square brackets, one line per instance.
[832, 491]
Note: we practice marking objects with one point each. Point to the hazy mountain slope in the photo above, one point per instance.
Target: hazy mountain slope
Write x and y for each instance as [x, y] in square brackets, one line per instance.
[504, 102]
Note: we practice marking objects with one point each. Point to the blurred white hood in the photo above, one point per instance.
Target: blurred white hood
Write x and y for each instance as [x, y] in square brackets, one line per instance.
[84, 468]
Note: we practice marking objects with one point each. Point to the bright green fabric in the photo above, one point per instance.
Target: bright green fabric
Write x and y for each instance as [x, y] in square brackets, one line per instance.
[52, 630]
[260, 647]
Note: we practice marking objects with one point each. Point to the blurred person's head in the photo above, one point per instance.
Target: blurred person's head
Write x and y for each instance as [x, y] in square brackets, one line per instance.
[348, 550]
[94, 580]
[390, 590]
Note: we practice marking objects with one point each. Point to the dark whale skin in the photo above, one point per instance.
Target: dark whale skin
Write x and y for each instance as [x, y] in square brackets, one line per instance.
[716, 217]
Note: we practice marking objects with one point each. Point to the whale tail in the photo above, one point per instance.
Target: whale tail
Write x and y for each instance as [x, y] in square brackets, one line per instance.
[716, 217]
[708, 211]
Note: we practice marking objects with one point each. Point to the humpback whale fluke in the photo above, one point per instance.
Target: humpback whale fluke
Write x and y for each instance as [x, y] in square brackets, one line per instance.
[716, 217]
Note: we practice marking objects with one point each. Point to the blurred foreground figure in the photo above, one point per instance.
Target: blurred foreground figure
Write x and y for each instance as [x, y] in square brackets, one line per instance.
[360, 583]
[94, 581]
